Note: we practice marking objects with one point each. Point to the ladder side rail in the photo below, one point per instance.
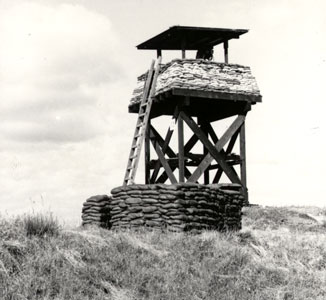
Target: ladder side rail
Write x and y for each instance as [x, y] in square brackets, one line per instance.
[147, 86]
[145, 120]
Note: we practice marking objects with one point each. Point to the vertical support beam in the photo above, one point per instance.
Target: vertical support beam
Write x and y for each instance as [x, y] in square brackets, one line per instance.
[203, 125]
[243, 170]
[183, 47]
[181, 154]
[147, 153]
[226, 52]
[159, 53]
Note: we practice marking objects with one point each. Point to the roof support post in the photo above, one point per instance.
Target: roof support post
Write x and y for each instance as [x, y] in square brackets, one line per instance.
[147, 153]
[181, 154]
[243, 170]
[226, 52]
[183, 48]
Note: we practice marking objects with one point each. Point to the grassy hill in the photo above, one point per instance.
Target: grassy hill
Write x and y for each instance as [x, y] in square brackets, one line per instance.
[279, 254]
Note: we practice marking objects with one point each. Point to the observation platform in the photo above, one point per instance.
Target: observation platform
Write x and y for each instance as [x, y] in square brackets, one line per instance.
[215, 90]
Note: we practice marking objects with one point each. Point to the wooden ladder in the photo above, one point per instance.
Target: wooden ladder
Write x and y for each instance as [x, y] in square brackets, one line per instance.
[143, 116]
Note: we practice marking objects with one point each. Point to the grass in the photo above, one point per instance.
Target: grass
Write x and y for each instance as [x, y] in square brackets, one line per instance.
[41, 225]
[279, 254]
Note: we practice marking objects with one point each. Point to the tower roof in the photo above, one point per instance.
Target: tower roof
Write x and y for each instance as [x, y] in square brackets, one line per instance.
[190, 38]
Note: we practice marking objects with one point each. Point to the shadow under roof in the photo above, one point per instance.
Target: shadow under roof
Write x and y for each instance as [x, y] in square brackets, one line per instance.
[190, 38]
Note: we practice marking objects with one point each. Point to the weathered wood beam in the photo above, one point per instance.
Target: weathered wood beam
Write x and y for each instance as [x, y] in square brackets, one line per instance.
[166, 143]
[179, 91]
[230, 163]
[243, 170]
[181, 150]
[191, 143]
[214, 151]
[226, 52]
[188, 146]
[147, 153]
[163, 161]
[227, 152]
[204, 126]
[156, 136]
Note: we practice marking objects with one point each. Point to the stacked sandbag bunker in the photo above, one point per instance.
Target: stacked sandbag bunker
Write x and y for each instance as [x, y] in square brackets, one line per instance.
[177, 207]
[95, 211]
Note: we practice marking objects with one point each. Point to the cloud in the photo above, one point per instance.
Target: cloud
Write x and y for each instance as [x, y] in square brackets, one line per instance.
[50, 58]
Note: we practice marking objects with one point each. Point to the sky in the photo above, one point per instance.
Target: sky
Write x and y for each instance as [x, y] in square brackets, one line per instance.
[68, 69]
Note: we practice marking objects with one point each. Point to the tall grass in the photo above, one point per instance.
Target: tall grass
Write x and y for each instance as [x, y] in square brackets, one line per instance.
[41, 225]
[274, 262]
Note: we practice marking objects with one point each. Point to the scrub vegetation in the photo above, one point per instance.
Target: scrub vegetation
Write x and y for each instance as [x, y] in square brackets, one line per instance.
[279, 254]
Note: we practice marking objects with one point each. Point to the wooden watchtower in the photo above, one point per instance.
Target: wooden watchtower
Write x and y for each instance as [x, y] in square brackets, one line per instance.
[196, 93]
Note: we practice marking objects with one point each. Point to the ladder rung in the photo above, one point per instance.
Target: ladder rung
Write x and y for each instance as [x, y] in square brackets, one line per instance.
[143, 114]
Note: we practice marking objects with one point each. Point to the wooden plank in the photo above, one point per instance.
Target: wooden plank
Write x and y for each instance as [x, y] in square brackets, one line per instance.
[164, 176]
[163, 161]
[232, 142]
[188, 146]
[181, 150]
[191, 143]
[226, 52]
[204, 126]
[214, 151]
[166, 144]
[211, 132]
[147, 153]
[230, 133]
[155, 135]
[243, 170]
[216, 95]
[227, 151]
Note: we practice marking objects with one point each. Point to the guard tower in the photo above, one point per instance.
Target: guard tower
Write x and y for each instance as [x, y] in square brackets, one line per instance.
[195, 92]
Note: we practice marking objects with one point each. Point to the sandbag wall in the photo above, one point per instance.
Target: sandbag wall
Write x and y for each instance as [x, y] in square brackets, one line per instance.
[178, 207]
[95, 211]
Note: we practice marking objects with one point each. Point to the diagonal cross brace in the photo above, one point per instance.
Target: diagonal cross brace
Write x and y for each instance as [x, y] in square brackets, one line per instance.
[162, 159]
[188, 146]
[227, 151]
[214, 151]
[165, 145]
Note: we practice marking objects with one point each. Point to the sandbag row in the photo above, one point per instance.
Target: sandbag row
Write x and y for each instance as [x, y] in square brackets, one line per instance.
[96, 211]
[179, 207]
[203, 75]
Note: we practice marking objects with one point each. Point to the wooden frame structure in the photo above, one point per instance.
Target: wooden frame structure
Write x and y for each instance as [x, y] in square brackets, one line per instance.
[196, 109]
[216, 158]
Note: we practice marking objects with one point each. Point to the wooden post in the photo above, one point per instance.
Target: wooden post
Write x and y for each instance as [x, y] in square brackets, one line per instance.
[147, 153]
[243, 171]
[183, 47]
[181, 155]
[159, 53]
[203, 125]
[226, 52]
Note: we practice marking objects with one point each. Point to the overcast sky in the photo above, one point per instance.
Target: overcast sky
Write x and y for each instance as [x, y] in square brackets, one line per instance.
[68, 68]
